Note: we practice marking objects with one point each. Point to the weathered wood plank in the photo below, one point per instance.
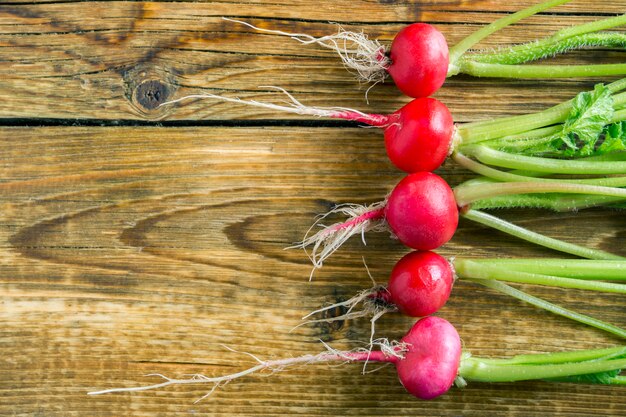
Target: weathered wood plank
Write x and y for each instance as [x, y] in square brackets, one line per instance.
[127, 251]
[119, 60]
[360, 10]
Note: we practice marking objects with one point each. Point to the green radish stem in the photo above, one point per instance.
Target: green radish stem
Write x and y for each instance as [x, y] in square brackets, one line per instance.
[546, 165]
[518, 142]
[503, 63]
[544, 366]
[498, 175]
[474, 132]
[465, 194]
[460, 48]
[467, 268]
[550, 201]
[553, 308]
[536, 238]
[590, 27]
[490, 275]
[479, 69]
[582, 269]
[537, 50]
[566, 202]
[561, 357]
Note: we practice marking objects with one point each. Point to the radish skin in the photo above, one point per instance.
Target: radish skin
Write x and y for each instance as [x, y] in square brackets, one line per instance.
[430, 365]
[419, 284]
[422, 212]
[419, 60]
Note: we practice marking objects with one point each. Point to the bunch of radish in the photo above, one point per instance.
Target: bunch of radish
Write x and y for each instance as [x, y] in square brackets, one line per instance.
[520, 161]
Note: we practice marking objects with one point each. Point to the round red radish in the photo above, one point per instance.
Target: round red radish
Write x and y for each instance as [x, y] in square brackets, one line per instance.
[421, 211]
[420, 283]
[419, 60]
[432, 360]
[419, 135]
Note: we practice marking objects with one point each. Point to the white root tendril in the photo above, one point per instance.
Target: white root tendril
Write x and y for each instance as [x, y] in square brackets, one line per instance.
[364, 57]
[389, 349]
[292, 106]
[325, 242]
[349, 304]
[372, 307]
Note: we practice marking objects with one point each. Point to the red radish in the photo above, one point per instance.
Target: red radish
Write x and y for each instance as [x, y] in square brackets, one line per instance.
[418, 60]
[431, 363]
[429, 360]
[426, 359]
[420, 284]
[418, 136]
[421, 212]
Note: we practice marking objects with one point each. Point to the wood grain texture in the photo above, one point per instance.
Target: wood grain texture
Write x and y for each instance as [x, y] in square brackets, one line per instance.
[129, 250]
[120, 60]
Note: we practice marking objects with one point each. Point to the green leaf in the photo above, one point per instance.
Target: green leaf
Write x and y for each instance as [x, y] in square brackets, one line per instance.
[591, 112]
[581, 132]
[614, 139]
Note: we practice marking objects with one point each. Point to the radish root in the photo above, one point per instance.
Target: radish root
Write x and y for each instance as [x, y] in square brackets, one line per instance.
[389, 351]
[364, 57]
[292, 106]
[372, 307]
[361, 219]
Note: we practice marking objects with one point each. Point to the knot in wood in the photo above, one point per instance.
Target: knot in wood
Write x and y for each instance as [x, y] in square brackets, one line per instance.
[151, 94]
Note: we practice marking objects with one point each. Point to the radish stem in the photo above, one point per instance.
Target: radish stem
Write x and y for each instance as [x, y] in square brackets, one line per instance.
[460, 48]
[492, 370]
[547, 165]
[469, 269]
[561, 357]
[467, 193]
[570, 268]
[480, 69]
[553, 308]
[536, 238]
[498, 175]
[490, 129]
[549, 201]
[548, 47]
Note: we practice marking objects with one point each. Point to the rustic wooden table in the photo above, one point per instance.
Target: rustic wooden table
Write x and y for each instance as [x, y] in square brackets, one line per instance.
[138, 239]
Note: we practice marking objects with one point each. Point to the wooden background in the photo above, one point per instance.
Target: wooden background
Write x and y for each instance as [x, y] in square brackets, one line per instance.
[137, 239]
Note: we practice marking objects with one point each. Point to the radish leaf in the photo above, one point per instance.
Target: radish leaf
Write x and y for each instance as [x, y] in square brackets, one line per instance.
[591, 111]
